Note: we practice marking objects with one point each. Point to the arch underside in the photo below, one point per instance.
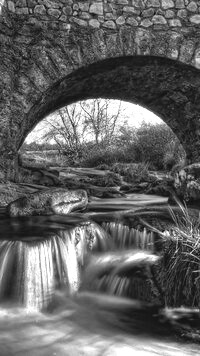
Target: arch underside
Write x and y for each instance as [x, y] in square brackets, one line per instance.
[166, 87]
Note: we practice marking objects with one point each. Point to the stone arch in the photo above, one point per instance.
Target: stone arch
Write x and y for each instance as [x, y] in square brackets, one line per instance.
[166, 87]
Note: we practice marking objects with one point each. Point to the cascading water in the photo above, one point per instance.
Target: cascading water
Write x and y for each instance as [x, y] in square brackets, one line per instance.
[124, 281]
[126, 237]
[40, 255]
[31, 270]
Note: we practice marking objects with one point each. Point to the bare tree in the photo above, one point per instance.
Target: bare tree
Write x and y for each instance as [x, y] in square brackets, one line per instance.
[67, 129]
[75, 125]
[99, 120]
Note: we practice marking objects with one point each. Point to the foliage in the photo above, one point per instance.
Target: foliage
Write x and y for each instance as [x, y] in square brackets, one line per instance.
[153, 142]
[95, 156]
[134, 172]
[181, 277]
[88, 134]
[72, 127]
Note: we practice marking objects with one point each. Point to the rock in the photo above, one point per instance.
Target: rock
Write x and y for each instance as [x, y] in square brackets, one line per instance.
[159, 20]
[94, 23]
[49, 201]
[160, 188]
[187, 182]
[40, 10]
[167, 4]
[195, 19]
[96, 8]
[11, 191]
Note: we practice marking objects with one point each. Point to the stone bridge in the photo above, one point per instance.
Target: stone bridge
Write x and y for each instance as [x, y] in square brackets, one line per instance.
[55, 52]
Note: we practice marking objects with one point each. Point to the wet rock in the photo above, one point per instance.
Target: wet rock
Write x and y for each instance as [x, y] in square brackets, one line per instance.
[49, 201]
[187, 182]
[11, 191]
[163, 188]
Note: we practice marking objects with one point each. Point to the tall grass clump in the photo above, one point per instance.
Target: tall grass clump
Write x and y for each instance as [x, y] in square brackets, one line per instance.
[181, 267]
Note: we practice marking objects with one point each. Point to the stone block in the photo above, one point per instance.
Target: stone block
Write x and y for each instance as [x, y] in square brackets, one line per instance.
[80, 22]
[122, 2]
[175, 23]
[153, 3]
[110, 16]
[169, 14]
[108, 7]
[197, 58]
[192, 7]
[75, 7]
[182, 13]
[109, 24]
[40, 10]
[49, 4]
[101, 19]
[11, 6]
[132, 21]
[54, 13]
[131, 10]
[195, 19]
[96, 8]
[31, 3]
[167, 4]
[120, 20]
[159, 20]
[21, 3]
[67, 10]
[138, 4]
[146, 23]
[22, 11]
[63, 18]
[179, 4]
[83, 6]
[85, 16]
[148, 12]
[94, 23]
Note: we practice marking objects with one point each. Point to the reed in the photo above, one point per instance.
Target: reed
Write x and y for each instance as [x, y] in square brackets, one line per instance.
[182, 259]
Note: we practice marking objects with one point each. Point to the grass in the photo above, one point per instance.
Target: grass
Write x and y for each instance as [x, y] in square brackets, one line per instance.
[182, 260]
[179, 272]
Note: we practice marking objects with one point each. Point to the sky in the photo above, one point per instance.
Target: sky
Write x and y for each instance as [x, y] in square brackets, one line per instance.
[134, 114]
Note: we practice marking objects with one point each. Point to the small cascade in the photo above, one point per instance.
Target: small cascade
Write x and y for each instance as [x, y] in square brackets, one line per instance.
[31, 269]
[125, 237]
[125, 281]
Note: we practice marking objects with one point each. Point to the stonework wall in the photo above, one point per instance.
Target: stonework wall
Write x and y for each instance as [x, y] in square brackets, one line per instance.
[112, 14]
[178, 20]
[44, 42]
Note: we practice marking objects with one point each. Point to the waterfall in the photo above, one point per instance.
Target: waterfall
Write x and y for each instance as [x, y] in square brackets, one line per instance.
[31, 270]
[124, 281]
[125, 237]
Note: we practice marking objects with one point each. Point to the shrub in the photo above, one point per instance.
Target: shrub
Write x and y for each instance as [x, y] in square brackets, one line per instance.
[155, 144]
[181, 274]
[133, 172]
[99, 156]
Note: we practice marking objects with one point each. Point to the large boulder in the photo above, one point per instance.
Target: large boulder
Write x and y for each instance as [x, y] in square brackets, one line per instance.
[58, 201]
[187, 183]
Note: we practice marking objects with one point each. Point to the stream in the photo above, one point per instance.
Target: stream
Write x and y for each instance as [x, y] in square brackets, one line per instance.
[52, 305]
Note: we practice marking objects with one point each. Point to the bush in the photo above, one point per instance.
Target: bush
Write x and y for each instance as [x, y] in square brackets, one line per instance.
[133, 172]
[155, 144]
[102, 156]
[181, 273]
